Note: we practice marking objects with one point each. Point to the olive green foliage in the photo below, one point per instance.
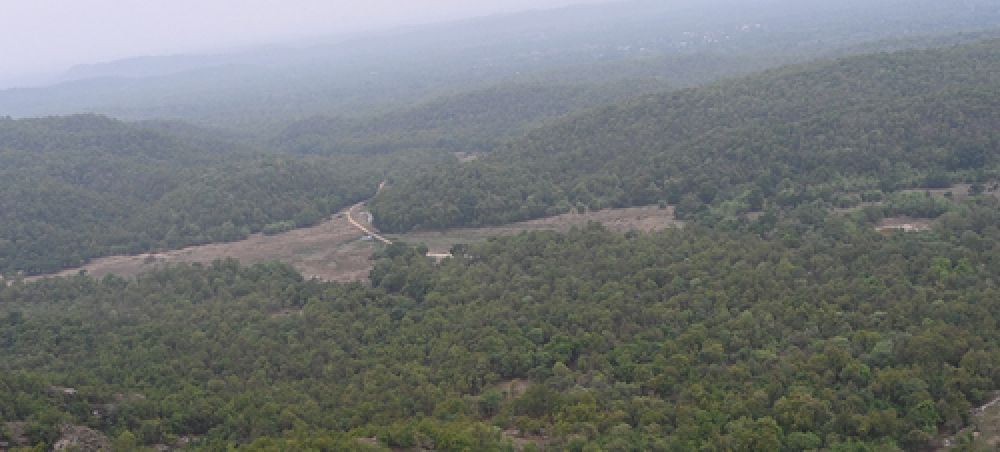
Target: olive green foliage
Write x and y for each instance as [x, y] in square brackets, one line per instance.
[825, 131]
[796, 329]
[86, 186]
[813, 332]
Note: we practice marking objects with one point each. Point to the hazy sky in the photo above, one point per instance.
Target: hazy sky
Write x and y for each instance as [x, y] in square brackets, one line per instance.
[51, 35]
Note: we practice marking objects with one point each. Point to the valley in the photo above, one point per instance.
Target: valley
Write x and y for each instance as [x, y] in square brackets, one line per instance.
[334, 251]
[634, 225]
[329, 251]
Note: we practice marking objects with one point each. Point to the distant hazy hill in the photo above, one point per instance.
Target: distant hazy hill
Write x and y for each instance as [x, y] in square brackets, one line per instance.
[363, 75]
[473, 121]
[147, 66]
[824, 131]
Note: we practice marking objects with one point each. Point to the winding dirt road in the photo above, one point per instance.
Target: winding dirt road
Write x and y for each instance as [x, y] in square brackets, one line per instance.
[329, 251]
[369, 231]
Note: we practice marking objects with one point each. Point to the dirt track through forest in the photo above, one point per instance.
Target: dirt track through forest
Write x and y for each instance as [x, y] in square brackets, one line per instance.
[369, 231]
[365, 229]
[334, 251]
[330, 251]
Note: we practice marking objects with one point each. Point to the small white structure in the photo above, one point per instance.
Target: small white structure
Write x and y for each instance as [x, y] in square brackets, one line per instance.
[907, 227]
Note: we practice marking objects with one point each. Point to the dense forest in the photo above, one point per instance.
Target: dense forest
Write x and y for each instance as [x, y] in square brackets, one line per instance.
[85, 186]
[794, 308]
[802, 332]
[830, 131]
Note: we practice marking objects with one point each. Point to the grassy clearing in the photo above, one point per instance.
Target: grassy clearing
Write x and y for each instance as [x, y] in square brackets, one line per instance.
[645, 219]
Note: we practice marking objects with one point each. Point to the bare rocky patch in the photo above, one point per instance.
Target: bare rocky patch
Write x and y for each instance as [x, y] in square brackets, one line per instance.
[81, 439]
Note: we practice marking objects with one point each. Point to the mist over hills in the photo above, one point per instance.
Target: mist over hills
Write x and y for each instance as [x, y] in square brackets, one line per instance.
[809, 259]
[899, 119]
[381, 71]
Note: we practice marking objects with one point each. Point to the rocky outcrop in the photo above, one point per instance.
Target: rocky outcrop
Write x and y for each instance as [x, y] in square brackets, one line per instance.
[82, 439]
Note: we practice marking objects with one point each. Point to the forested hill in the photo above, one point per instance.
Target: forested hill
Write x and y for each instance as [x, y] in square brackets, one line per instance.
[363, 74]
[89, 133]
[826, 131]
[86, 186]
[819, 334]
[473, 121]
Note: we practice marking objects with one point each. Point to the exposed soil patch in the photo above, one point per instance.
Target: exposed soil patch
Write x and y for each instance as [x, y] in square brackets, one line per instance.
[335, 251]
[983, 434]
[857, 208]
[645, 219]
[81, 439]
[329, 251]
[904, 224]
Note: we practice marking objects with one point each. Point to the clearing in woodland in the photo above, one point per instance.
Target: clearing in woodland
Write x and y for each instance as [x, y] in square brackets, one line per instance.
[646, 219]
[329, 251]
[334, 251]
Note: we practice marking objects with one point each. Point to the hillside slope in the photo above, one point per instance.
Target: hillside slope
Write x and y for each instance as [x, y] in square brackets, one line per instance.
[481, 119]
[826, 131]
[477, 120]
[369, 73]
[86, 186]
[819, 335]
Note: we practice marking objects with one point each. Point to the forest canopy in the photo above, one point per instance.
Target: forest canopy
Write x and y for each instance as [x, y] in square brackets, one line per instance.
[826, 131]
[815, 332]
[86, 186]
[832, 284]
